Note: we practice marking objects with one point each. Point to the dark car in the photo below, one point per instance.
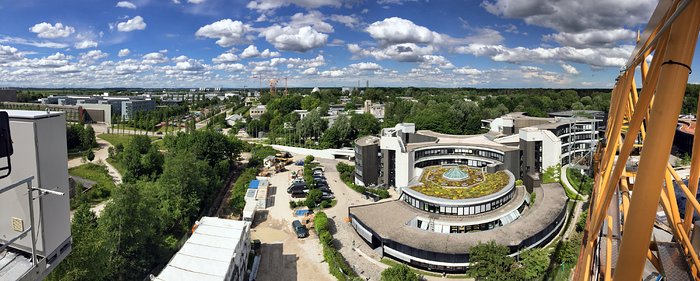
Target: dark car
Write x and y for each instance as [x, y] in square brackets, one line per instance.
[327, 196]
[300, 229]
[299, 194]
[297, 187]
[325, 189]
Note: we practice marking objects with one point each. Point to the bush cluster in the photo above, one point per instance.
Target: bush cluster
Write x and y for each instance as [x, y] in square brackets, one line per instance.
[337, 265]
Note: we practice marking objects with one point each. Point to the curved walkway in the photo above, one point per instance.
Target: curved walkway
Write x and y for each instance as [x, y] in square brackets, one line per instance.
[101, 155]
[570, 188]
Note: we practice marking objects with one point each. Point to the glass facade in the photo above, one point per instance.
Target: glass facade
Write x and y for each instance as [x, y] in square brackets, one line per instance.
[438, 162]
[458, 210]
[459, 151]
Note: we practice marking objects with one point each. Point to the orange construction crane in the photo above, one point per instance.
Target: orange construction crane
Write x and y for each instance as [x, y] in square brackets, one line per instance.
[619, 241]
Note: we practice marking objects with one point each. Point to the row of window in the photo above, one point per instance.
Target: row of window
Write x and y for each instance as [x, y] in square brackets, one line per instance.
[461, 210]
[460, 228]
[438, 162]
[459, 151]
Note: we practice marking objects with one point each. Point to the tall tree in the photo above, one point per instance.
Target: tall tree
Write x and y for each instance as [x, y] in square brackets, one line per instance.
[489, 261]
[132, 228]
[365, 124]
[399, 272]
[88, 258]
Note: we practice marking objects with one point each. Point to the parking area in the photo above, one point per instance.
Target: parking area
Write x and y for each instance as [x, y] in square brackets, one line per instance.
[286, 257]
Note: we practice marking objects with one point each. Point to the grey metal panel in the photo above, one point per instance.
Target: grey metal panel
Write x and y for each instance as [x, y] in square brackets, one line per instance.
[53, 175]
[43, 156]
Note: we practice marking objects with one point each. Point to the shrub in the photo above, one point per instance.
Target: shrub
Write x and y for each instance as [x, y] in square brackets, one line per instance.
[292, 204]
[382, 193]
[518, 182]
[581, 224]
[310, 203]
[321, 222]
[326, 238]
[326, 204]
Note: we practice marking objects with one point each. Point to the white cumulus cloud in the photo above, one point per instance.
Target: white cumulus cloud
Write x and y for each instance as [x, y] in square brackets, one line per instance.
[227, 31]
[85, 44]
[396, 30]
[268, 5]
[135, 23]
[124, 52]
[47, 30]
[225, 58]
[570, 69]
[126, 4]
[294, 39]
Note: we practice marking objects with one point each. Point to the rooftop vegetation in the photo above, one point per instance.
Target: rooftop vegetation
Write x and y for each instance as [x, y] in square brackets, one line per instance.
[477, 184]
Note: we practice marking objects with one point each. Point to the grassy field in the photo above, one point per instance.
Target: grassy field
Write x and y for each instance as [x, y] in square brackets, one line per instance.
[115, 139]
[117, 165]
[93, 172]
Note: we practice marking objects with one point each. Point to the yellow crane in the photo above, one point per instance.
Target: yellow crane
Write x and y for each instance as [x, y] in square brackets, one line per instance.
[618, 240]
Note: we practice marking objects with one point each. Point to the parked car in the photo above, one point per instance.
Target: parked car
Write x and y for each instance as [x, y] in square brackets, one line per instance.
[300, 229]
[325, 188]
[318, 173]
[299, 194]
[297, 187]
[327, 196]
[299, 163]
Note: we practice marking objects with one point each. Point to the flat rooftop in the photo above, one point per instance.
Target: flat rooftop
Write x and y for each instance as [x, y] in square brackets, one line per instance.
[367, 140]
[208, 253]
[389, 220]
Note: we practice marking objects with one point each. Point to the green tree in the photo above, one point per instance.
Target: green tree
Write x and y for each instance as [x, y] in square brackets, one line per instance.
[490, 261]
[339, 135]
[131, 229]
[365, 124]
[312, 126]
[534, 264]
[399, 272]
[87, 139]
[88, 258]
[89, 155]
[567, 251]
[183, 188]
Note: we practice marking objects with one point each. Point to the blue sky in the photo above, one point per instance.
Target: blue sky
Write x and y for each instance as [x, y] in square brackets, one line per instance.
[228, 43]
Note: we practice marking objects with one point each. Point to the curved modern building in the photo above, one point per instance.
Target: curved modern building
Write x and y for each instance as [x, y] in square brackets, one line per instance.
[456, 191]
[429, 230]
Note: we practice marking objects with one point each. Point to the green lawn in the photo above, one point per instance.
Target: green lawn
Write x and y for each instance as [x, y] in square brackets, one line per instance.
[115, 139]
[95, 173]
[117, 165]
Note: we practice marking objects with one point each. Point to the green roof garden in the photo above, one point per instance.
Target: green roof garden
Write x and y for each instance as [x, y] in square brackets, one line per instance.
[460, 182]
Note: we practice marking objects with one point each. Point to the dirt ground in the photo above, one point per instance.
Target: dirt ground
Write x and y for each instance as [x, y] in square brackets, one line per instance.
[284, 256]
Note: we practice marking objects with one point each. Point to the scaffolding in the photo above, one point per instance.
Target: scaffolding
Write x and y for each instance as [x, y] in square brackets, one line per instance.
[618, 241]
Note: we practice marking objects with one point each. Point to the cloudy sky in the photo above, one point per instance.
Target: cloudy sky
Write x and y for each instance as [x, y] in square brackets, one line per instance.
[229, 43]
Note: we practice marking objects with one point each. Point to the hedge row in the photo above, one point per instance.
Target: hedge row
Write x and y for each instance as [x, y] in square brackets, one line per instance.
[337, 265]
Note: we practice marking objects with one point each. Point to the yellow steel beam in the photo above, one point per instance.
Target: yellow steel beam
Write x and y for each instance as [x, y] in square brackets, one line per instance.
[664, 116]
[608, 250]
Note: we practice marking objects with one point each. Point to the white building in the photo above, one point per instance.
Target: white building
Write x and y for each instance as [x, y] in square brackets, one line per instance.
[256, 112]
[217, 251]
